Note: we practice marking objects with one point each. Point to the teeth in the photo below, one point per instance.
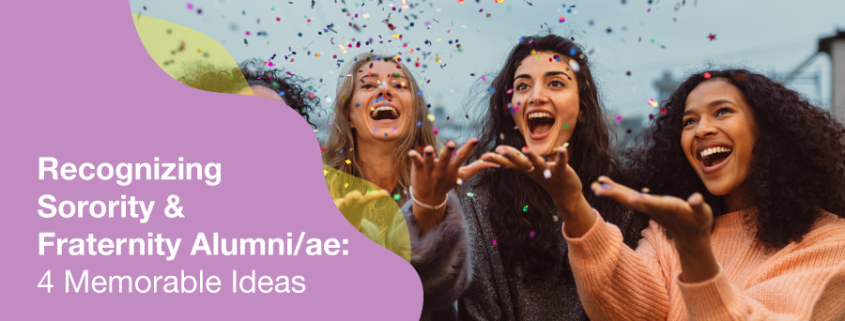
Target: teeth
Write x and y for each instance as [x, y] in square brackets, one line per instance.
[712, 150]
[539, 115]
[391, 109]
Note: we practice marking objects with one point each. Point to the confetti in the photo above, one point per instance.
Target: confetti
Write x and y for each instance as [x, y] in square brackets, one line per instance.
[618, 118]
[396, 196]
[430, 117]
[348, 161]
[547, 173]
[471, 194]
[494, 240]
[712, 36]
[652, 102]
[706, 75]
[574, 65]
[525, 208]
[531, 234]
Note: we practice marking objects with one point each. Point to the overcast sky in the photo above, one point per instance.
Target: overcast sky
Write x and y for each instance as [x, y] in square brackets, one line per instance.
[641, 36]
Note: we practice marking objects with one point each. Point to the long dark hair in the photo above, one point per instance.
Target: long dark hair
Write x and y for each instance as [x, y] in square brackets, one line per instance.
[538, 253]
[798, 164]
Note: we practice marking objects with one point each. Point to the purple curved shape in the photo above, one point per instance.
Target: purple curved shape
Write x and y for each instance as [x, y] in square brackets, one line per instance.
[82, 88]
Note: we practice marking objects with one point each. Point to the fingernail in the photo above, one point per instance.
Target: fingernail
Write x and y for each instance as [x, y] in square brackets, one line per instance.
[428, 152]
[475, 143]
[605, 186]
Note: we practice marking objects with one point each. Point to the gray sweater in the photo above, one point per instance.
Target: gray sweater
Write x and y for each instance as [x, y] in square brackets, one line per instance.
[495, 295]
[441, 258]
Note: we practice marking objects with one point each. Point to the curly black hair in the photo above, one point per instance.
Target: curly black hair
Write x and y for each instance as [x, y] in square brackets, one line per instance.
[289, 86]
[798, 165]
[538, 254]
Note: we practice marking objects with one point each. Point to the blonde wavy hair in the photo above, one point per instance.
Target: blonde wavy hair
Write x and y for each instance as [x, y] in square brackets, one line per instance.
[342, 137]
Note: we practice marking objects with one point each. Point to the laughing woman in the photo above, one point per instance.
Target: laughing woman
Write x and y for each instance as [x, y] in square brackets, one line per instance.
[751, 225]
[379, 124]
[543, 97]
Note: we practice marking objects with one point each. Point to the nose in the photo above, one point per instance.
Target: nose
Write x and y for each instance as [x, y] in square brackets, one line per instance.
[386, 90]
[538, 96]
[704, 128]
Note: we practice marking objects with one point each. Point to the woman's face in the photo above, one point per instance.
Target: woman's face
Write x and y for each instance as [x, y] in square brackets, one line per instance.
[718, 135]
[545, 99]
[382, 102]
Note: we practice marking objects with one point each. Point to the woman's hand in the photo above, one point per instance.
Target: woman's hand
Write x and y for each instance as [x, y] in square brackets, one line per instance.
[685, 220]
[557, 178]
[688, 222]
[352, 204]
[433, 177]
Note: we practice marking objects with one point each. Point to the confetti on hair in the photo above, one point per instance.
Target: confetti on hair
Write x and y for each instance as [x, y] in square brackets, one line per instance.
[396, 196]
[574, 65]
[430, 117]
[348, 161]
[471, 194]
[531, 234]
[525, 208]
[706, 75]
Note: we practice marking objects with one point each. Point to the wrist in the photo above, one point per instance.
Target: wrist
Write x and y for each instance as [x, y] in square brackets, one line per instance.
[694, 245]
[569, 204]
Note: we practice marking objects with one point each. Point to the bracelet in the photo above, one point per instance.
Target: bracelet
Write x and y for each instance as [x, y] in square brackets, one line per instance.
[431, 207]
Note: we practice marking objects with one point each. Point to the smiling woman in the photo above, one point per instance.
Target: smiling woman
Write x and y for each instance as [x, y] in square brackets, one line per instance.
[379, 124]
[772, 246]
[540, 108]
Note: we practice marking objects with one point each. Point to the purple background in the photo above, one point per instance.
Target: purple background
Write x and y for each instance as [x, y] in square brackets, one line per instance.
[79, 86]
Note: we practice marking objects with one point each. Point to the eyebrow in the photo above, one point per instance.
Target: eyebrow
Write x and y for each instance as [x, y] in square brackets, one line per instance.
[711, 104]
[394, 75]
[368, 75]
[548, 74]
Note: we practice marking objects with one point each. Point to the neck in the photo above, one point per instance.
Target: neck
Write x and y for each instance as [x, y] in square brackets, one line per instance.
[735, 200]
[376, 161]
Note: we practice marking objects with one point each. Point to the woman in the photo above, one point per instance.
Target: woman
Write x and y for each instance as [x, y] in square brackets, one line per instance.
[543, 97]
[379, 118]
[771, 167]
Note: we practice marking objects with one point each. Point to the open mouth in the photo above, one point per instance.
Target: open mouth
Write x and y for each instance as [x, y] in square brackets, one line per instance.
[713, 158]
[384, 113]
[540, 123]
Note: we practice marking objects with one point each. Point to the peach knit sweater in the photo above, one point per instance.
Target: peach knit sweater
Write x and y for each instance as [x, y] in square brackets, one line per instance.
[802, 281]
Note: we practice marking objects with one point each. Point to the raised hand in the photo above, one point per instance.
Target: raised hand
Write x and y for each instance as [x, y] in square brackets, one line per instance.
[352, 204]
[688, 222]
[432, 177]
[683, 219]
[556, 177]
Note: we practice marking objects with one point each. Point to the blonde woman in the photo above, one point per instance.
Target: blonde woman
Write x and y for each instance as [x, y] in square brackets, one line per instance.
[379, 126]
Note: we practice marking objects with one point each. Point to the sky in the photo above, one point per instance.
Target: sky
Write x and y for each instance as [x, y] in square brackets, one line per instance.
[643, 37]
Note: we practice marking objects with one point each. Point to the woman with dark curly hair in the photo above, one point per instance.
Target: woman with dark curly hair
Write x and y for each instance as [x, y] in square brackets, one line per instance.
[771, 242]
[543, 97]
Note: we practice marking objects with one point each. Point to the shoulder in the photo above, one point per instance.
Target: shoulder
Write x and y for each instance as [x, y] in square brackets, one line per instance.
[828, 228]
